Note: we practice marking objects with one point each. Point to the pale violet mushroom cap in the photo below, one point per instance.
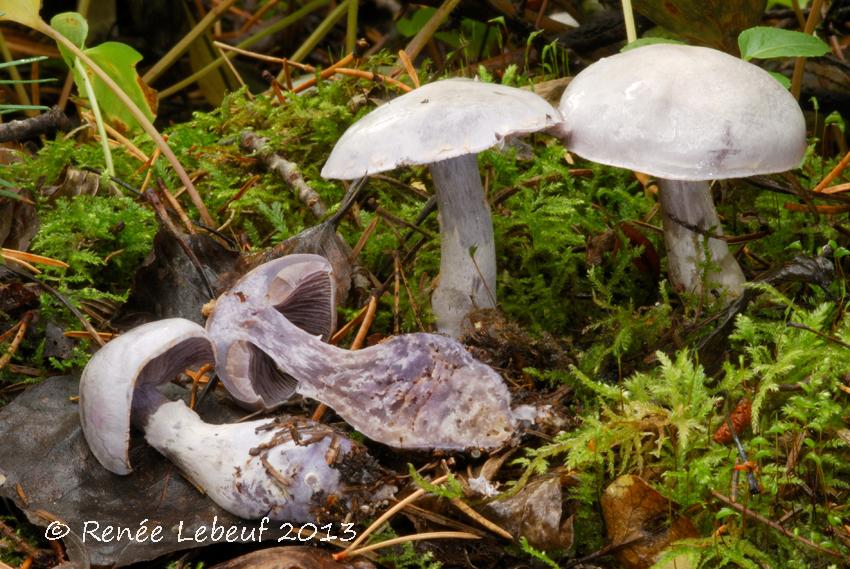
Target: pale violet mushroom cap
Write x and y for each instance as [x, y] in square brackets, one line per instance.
[150, 354]
[435, 122]
[683, 113]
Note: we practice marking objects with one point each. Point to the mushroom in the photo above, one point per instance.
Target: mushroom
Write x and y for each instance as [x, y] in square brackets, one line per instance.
[686, 115]
[302, 288]
[445, 124]
[418, 391]
[287, 468]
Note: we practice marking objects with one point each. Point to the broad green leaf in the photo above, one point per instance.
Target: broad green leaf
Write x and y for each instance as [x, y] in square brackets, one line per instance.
[73, 26]
[22, 11]
[764, 42]
[119, 61]
[648, 41]
[409, 26]
[783, 80]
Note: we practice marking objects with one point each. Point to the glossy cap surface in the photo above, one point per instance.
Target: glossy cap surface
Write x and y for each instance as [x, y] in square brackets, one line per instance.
[683, 113]
[435, 122]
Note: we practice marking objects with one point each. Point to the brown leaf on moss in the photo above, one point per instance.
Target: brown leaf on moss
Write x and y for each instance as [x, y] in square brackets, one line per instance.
[641, 519]
[536, 512]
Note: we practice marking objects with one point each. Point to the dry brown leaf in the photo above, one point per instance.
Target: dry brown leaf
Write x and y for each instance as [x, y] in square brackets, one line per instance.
[637, 516]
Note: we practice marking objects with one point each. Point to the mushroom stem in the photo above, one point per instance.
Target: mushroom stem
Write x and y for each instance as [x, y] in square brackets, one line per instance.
[696, 257]
[467, 250]
[287, 468]
[411, 391]
[250, 469]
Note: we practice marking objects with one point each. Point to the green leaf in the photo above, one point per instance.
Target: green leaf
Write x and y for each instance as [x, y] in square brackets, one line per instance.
[22, 11]
[648, 41]
[783, 80]
[410, 26]
[119, 61]
[763, 42]
[73, 26]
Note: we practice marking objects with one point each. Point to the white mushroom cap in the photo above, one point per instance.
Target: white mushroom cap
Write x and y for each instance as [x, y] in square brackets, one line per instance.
[438, 121]
[683, 113]
[148, 354]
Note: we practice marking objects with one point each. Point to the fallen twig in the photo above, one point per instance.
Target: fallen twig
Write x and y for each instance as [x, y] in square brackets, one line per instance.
[374, 526]
[285, 169]
[65, 302]
[47, 122]
[771, 524]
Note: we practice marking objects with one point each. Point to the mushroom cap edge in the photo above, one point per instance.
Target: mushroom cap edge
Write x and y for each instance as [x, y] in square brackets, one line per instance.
[108, 383]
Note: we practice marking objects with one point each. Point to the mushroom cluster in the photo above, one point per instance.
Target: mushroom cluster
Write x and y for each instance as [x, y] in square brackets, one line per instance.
[286, 468]
[686, 115]
[418, 391]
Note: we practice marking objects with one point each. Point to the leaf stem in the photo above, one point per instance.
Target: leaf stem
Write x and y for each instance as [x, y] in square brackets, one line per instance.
[98, 118]
[137, 113]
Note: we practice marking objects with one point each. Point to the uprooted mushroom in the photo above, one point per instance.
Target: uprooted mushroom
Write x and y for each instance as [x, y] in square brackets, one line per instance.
[686, 115]
[286, 468]
[417, 391]
[445, 125]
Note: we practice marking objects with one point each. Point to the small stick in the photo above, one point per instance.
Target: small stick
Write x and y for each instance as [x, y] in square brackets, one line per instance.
[235, 73]
[800, 62]
[374, 526]
[405, 539]
[16, 341]
[364, 238]
[799, 326]
[408, 66]
[162, 214]
[325, 73]
[836, 189]
[426, 32]
[32, 258]
[396, 293]
[197, 377]
[175, 205]
[467, 509]
[751, 478]
[825, 209]
[65, 302]
[787, 533]
[349, 326]
[17, 541]
[285, 169]
[252, 181]
[82, 334]
[149, 174]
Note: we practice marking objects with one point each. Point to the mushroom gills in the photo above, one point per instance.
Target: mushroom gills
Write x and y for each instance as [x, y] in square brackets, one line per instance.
[268, 381]
[300, 287]
[286, 468]
[310, 305]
